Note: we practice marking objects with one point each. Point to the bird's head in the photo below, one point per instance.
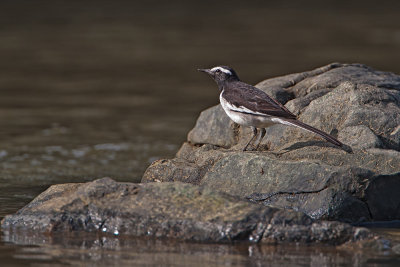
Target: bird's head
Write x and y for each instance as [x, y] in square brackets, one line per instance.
[220, 74]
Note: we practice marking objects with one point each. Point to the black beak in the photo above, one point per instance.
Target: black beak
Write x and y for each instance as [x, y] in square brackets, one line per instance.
[208, 71]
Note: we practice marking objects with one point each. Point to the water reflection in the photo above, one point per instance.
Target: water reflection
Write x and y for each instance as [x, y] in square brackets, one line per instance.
[111, 250]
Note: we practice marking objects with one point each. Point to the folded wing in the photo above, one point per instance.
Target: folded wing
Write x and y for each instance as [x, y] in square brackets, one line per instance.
[249, 99]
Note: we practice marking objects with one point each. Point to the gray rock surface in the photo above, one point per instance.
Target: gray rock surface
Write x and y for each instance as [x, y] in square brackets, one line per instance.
[295, 169]
[352, 134]
[331, 98]
[173, 210]
[209, 128]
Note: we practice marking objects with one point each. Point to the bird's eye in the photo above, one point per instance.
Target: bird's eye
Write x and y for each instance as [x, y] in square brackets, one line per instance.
[217, 71]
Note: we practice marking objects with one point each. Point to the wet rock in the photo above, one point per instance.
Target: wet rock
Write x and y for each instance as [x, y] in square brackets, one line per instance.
[174, 210]
[297, 170]
[319, 232]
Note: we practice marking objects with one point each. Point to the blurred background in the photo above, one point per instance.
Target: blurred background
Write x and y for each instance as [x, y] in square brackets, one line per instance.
[102, 88]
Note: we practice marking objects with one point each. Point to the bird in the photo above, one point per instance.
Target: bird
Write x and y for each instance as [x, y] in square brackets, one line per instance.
[249, 106]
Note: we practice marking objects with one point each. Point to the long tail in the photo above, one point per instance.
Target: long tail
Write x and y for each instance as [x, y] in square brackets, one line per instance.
[307, 127]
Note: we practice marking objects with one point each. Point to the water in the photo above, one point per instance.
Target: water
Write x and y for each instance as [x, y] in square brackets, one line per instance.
[102, 88]
[95, 250]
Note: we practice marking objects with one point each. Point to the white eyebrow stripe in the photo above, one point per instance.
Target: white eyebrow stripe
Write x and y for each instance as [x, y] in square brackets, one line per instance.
[221, 69]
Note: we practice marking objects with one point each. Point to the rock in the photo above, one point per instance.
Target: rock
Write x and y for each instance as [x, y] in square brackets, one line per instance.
[214, 127]
[347, 105]
[278, 87]
[297, 105]
[352, 134]
[381, 198]
[332, 75]
[333, 189]
[173, 210]
[295, 169]
[186, 171]
[330, 98]
[320, 232]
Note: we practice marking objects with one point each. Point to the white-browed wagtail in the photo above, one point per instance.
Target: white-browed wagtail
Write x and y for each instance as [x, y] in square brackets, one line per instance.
[249, 106]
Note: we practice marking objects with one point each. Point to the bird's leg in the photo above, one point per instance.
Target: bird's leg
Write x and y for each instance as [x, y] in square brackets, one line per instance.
[254, 135]
[260, 137]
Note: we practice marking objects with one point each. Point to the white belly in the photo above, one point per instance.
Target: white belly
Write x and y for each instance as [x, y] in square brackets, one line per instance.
[246, 119]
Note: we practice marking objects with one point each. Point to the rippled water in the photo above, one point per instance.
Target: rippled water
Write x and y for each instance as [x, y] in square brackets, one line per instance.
[102, 88]
[97, 250]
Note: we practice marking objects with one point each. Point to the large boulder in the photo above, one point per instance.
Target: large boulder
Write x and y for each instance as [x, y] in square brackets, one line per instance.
[336, 98]
[173, 210]
[212, 190]
[294, 169]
